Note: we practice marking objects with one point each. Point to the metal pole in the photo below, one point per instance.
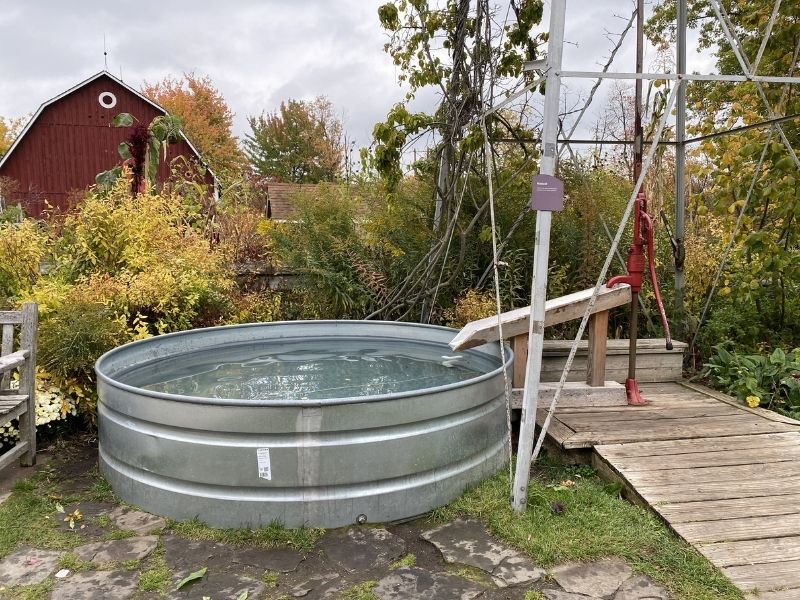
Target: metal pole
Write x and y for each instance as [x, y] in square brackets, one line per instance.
[680, 177]
[638, 134]
[547, 166]
[637, 109]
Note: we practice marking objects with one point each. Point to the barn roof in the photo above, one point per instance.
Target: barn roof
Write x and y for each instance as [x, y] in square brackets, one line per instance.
[86, 82]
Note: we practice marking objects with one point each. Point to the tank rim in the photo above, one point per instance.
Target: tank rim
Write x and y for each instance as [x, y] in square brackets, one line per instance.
[108, 380]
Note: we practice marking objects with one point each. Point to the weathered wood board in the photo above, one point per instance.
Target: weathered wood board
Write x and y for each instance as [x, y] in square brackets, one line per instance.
[654, 363]
[558, 310]
[724, 477]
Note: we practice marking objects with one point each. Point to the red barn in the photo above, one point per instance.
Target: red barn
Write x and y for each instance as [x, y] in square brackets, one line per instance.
[69, 141]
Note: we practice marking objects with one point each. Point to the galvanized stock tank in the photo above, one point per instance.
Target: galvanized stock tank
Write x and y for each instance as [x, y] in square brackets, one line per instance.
[259, 457]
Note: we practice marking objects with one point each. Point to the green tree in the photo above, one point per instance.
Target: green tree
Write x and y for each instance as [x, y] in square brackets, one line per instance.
[468, 52]
[301, 142]
[762, 279]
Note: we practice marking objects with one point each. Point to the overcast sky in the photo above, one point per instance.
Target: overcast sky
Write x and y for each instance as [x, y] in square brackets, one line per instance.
[257, 52]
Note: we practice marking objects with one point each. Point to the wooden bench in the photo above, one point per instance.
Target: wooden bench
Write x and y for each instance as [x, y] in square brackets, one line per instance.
[19, 403]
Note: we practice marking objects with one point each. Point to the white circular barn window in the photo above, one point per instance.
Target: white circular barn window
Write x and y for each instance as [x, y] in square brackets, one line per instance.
[107, 100]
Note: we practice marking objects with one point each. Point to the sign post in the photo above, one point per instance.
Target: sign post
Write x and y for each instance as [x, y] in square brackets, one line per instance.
[541, 254]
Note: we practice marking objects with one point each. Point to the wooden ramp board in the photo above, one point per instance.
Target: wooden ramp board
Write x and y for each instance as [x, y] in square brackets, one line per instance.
[735, 498]
[724, 477]
[558, 310]
[676, 411]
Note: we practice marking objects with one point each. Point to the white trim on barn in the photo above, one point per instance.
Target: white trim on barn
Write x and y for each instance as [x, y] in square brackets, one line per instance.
[74, 88]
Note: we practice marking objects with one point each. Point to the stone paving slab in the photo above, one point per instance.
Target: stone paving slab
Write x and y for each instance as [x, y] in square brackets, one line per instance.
[97, 585]
[324, 585]
[640, 587]
[282, 560]
[134, 548]
[412, 583]
[185, 556]
[516, 570]
[27, 566]
[599, 578]
[219, 586]
[562, 595]
[138, 521]
[363, 549]
[86, 526]
[466, 541]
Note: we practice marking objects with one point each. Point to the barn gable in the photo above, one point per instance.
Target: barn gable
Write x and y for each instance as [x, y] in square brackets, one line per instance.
[69, 141]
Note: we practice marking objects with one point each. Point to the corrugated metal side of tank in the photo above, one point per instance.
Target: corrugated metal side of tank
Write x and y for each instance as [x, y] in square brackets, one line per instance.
[387, 458]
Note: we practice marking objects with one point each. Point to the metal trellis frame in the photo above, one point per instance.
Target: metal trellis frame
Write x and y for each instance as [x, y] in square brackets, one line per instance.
[555, 74]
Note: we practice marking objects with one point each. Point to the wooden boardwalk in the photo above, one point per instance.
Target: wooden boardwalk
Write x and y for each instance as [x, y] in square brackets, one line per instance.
[724, 477]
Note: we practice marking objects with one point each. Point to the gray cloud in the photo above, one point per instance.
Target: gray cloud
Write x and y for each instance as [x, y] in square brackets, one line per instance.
[257, 53]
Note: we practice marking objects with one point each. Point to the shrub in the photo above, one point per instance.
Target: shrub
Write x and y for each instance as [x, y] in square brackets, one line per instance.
[244, 234]
[22, 248]
[772, 380]
[256, 307]
[325, 247]
[141, 259]
[119, 269]
[471, 306]
[75, 335]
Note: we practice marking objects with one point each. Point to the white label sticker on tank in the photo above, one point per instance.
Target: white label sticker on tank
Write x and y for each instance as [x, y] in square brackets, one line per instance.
[264, 468]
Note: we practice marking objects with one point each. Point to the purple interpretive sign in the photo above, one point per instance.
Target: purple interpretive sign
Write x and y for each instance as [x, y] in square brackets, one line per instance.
[547, 193]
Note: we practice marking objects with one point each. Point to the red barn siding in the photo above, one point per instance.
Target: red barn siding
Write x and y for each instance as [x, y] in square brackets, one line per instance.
[71, 142]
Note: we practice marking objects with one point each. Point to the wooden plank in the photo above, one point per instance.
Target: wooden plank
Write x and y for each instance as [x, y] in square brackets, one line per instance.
[607, 472]
[733, 473]
[673, 387]
[734, 442]
[730, 508]
[12, 410]
[6, 347]
[661, 408]
[685, 429]
[618, 347]
[682, 462]
[27, 381]
[746, 552]
[732, 530]
[577, 395]
[596, 360]
[557, 430]
[715, 425]
[717, 490]
[13, 317]
[761, 412]
[12, 399]
[558, 310]
[784, 594]
[520, 346]
[10, 456]
[765, 577]
[639, 414]
[654, 364]
[13, 360]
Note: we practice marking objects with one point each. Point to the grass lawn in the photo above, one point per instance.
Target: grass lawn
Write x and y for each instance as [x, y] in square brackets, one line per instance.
[573, 515]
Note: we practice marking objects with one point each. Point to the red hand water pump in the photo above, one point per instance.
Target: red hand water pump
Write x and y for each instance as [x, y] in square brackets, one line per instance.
[643, 241]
